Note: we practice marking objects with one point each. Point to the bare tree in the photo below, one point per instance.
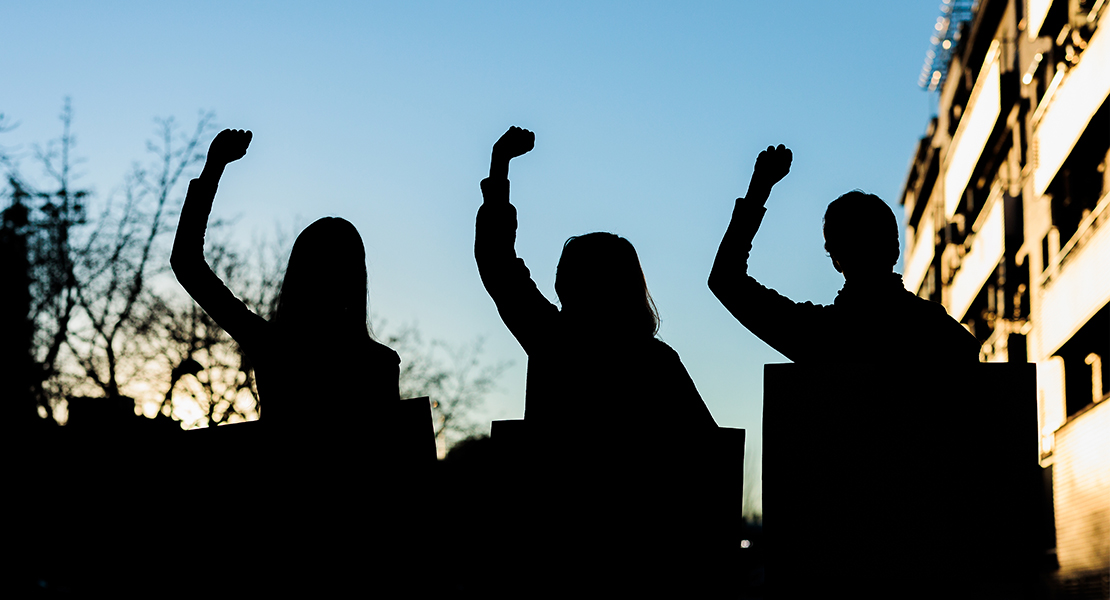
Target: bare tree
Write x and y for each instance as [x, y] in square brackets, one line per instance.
[116, 342]
[453, 376]
[211, 378]
[92, 291]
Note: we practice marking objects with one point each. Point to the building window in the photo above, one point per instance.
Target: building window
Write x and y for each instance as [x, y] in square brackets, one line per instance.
[1080, 375]
[1082, 179]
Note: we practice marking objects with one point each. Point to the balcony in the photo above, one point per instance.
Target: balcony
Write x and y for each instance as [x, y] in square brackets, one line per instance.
[1074, 286]
[1063, 115]
[976, 126]
[988, 243]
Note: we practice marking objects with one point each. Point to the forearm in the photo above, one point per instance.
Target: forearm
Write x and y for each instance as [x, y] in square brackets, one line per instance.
[194, 273]
[498, 166]
[188, 243]
[187, 256]
[212, 172]
[757, 195]
[731, 261]
[732, 255]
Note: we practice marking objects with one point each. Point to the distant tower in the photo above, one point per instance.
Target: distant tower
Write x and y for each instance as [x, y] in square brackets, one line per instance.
[18, 405]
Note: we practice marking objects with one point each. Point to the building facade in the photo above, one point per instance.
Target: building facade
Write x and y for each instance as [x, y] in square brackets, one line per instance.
[1007, 215]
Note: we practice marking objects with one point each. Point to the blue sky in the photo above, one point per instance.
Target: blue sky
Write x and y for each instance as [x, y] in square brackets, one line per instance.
[648, 118]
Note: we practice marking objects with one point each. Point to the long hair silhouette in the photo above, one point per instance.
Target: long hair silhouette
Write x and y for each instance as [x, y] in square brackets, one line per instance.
[601, 285]
[325, 286]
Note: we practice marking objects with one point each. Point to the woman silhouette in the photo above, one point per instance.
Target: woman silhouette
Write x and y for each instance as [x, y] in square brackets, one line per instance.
[596, 364]
[315, 356]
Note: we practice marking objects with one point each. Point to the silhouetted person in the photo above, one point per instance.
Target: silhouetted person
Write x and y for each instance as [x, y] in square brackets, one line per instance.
[315, 357]
[873, 319]
[597, 361]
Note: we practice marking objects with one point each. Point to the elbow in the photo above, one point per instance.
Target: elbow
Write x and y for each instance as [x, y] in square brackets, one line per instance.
[716, 283]
[481, 258]
[726, 276]
[726, 287]
[176, 262]
[179, 264]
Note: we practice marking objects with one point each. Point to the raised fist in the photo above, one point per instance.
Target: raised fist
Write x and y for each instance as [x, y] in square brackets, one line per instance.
[229, 145]
[513, 143]
[771, 166]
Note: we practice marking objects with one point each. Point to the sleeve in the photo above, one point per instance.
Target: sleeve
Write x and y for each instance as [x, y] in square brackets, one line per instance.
[790, 327]
[526, 312]
[194, 274]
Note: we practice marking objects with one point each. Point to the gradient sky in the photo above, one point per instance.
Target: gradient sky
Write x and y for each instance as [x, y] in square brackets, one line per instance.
[648, 118]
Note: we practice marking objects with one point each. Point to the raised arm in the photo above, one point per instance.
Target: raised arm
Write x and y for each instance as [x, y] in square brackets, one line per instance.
[525, 311]
[187, 259]
[783, 324]
[732, 257]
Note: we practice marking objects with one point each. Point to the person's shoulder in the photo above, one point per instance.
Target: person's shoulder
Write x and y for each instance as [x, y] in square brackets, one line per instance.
[662, 350]
[923, 305]
[383, 353]
[929, 311]
[943, 325]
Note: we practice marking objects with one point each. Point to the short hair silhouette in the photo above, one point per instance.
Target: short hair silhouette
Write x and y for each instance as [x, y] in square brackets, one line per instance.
[599, 280]
[325, 283]
[861, 231]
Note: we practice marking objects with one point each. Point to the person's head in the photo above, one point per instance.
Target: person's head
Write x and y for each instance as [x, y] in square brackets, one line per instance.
[325, 282]
[861, 234]
[599, 281]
